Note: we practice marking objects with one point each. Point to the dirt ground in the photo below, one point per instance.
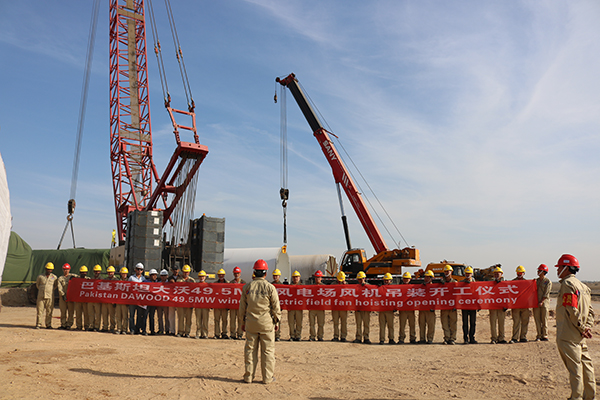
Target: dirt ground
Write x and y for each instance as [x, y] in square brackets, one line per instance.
[52, 364]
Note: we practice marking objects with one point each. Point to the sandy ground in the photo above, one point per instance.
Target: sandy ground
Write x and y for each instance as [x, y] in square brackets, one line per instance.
[48, 364]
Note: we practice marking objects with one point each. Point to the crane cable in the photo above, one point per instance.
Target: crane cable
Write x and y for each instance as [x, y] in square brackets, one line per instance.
[361, 175]
[81, 122]
[158, 52]
[284, 192]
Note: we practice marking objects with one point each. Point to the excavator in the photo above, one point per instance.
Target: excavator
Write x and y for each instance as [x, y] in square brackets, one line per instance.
[354, 259]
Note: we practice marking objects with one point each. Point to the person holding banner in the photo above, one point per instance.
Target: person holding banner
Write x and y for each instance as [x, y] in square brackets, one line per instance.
[235, 325]
[95, 309]
[202, 313]
[427, 317]
[45, 284]
[449, 317]
[520, 316]
[315, 315]
[540, 314]
[109, 321]
[162, 311]
[220, 314]
[407, 316]
[574, 322]
[497, 316]
[173, 310]
[386, 318]
[122, 310]
[152, 309]
[184, 314]
[295, 316]
[277, 281]
[363, 318]
[340, 317]
[137, 325]
[81, 308]
[260, 312]
[469, 317]
[67, 308]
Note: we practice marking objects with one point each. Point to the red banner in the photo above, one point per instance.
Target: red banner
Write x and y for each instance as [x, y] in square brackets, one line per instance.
[473, 296]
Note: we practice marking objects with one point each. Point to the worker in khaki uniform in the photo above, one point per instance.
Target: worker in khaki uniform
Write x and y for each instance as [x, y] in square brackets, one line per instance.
[260, 311]
[162, 312]
[540, 314]
[427, 317]
[184, 314]
[122, 310]
[277, 281]
[363, 318]
[45, 284]
[67, 308]
[202, 313]
[317, 316]
[449, 318]
[95, 309]
[469, 317]
[386, 318]
[520, 316]
[295, 316]
[109, 321]
[220, 314]
[172, 311]
[340, 317]
[81, 308]
[497, 316]
[407, 316]
[574, 322]
[235, 324]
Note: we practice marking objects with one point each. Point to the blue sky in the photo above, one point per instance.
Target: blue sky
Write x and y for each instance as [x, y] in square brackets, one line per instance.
[476, 123]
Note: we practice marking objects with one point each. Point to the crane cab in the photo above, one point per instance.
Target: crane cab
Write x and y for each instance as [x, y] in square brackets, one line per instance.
[353, 261]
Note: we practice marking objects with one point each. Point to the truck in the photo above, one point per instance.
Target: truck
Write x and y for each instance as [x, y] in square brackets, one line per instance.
[354, 259]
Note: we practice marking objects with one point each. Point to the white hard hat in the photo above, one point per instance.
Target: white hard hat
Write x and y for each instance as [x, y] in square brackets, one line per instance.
[139, 265]
[153, 271]
[164, 272]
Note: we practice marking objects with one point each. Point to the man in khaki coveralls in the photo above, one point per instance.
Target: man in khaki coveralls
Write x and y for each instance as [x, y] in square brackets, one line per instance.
[201, 313]
[497, 316]
[235, 324]
[94, 309]
[277, 281]
[45, 299]
[520, 316]
[122, 310]
[317, 316]
[109, 321]
[427, 317]
[220, 314]
[340, 317]
[407, 316]
[386, 318]
[67, 308]
[574, 321]
[260, 312]
[449, 317]
[363, 318]
[184, 314]
[540, 314]
[82, 316]
[295, 316]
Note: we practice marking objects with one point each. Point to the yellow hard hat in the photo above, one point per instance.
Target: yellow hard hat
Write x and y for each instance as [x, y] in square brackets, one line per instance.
[448, 268]
[83, 269]
[361, 275]
[202, 273]
[277, 272]
[296, 273]
[221, 272]
[49, 265]
[468, 270]
[124, 271]
[387, 276]
[110, 269]
[429, 273]
[521, 268]
[498, 269]
[97, 268]
[186, 268]
[406, 275]
[341, 276]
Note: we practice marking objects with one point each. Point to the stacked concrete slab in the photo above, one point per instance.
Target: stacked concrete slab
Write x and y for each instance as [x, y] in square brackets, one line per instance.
[144, 239]
[207, 242]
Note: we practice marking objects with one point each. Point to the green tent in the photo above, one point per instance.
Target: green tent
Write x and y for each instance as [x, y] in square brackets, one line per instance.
[23, 265]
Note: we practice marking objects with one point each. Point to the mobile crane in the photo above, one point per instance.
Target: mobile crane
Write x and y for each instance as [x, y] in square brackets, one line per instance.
[353, 259]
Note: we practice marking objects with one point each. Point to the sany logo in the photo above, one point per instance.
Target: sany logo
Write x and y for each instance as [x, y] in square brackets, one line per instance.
[329, 150]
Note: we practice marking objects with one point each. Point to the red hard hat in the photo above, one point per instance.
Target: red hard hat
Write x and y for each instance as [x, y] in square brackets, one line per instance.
[261, 265]
[319, 273]
[66, 266]
[567, 260]
[237, 270]
[543, 267]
